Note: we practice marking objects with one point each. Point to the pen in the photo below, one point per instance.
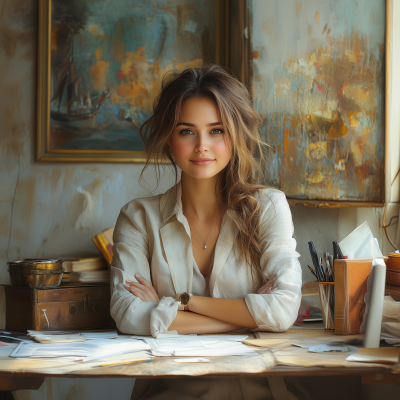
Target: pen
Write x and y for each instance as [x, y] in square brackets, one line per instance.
[339, 254]
[312, 271]
[314, 258]
[329, 265]
[332, 263]
[322, 271]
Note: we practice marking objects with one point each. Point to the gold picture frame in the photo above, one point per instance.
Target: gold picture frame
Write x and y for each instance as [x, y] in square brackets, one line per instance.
[45, 150]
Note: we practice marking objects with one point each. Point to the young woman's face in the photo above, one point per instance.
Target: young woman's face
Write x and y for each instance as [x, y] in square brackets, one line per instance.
[200, 144]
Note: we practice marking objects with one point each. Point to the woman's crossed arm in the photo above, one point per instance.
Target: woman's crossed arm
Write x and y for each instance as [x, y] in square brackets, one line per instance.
[208, 315]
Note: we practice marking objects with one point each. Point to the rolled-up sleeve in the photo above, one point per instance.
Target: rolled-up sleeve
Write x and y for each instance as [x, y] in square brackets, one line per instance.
[130, 257]
[279, 261]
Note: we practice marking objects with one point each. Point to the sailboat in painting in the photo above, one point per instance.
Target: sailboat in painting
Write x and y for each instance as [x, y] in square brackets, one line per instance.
[72, 105]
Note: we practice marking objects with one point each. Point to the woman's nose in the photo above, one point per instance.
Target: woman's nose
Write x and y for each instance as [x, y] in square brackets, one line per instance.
[202, 143]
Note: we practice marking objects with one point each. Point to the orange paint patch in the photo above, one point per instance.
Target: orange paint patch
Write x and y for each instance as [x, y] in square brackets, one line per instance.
[357, 51]
[255, 54]
[285, 140]
[298, 9]
[118, 48]
[317, 17]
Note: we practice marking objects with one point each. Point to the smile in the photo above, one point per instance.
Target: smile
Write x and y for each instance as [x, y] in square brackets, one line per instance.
[201, 161]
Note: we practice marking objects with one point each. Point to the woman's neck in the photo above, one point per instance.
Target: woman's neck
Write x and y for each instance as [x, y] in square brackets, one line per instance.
[198, 196]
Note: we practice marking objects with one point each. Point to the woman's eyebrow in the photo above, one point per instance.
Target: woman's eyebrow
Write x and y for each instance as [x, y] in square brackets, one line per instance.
[188, 124]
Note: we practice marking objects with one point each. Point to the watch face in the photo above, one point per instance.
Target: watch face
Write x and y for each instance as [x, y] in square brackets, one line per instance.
[185, 297]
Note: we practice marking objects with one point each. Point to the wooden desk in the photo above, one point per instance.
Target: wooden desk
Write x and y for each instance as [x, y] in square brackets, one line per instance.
[264, 364]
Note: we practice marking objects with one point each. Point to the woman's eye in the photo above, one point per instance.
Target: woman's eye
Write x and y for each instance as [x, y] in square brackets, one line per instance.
[217, 131]
[185, 132]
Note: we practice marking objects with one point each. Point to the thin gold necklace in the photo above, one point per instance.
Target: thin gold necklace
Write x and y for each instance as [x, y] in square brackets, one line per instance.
[205, 241]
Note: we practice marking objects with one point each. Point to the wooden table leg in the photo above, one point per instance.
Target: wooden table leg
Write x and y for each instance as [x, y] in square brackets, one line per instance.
[16, 383]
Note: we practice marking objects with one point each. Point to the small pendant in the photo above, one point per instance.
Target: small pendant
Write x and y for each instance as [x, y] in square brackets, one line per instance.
[205, 246]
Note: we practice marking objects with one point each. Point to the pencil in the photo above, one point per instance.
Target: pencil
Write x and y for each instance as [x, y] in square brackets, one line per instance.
[312, 271]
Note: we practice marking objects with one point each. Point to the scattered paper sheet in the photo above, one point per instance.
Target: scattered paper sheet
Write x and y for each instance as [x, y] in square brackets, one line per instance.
[89, 350]
[193, 346]
[323, 347]
[391, 310]
[59, 338]
[269, 343]
[191, 360]
[388, 355]
[298, 357]
[88, 335]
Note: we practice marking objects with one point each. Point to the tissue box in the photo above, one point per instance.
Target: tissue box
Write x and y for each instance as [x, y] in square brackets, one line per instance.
[66, 307]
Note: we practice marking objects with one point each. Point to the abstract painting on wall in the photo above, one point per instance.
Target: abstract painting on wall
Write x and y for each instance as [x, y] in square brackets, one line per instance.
[100, 67]
[318, 81]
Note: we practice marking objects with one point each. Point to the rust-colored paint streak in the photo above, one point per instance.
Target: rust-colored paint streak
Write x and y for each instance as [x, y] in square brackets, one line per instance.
[298, 9]
[317, 17]
[254, 54]
[118, 47]
[357, 51]
[25, 200]
[325, 28]
[98, 71]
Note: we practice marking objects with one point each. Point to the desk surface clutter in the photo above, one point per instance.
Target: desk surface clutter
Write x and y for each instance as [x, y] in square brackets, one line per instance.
[106, 353]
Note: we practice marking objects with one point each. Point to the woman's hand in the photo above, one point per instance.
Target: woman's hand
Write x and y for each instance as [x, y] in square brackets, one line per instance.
[266, 289]
[142, 289]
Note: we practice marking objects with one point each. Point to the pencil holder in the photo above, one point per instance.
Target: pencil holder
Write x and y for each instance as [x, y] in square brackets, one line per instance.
[327, 296]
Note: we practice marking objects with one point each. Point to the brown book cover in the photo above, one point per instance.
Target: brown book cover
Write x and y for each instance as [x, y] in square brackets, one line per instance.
[393, 291]
[104, 243]
[351, 278]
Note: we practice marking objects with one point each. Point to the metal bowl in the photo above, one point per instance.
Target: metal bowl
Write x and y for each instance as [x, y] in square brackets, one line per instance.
[26, 276]
[38, 264]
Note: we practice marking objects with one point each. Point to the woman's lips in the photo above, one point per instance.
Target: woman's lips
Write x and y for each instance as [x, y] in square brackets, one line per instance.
[201, 161]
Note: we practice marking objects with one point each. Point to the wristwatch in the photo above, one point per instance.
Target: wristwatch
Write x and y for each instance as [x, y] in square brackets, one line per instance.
[184, 298]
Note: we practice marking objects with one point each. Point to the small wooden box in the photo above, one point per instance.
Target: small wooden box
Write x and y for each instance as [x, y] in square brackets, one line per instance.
[66, 307]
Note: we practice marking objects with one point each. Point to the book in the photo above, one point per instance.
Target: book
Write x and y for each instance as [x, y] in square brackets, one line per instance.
[104, 243]
[351, 280]
[87, 276]
[84, 264]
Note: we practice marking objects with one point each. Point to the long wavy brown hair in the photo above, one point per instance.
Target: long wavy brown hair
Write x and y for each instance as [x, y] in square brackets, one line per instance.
[240, 181]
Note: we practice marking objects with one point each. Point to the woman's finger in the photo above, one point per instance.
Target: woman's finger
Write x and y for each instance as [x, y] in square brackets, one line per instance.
[135, 292]
[136, 284]
[151, 294]
[145, 293]
[144, 282]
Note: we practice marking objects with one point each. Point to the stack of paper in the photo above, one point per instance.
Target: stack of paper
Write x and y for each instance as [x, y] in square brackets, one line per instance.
[71, 336]
[391, 321]
[89, 350]
[198, 346]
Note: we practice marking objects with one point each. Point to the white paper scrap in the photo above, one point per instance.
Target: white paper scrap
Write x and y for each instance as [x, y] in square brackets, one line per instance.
[323, 347]
[191, 360]
[89, 350]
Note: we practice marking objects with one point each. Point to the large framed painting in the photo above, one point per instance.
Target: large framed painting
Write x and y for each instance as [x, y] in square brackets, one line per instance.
[317, 72]
[100, 65]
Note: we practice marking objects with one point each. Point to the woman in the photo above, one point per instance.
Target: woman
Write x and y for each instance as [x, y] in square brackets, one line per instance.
[218, 241]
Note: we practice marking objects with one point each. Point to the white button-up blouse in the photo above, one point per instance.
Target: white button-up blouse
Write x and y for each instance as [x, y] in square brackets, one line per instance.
[152, 239]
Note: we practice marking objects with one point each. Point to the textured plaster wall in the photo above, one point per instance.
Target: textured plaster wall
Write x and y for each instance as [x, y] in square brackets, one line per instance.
[50, 210]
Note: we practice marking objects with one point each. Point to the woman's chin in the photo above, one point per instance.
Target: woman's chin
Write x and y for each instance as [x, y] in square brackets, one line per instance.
[201, 175]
